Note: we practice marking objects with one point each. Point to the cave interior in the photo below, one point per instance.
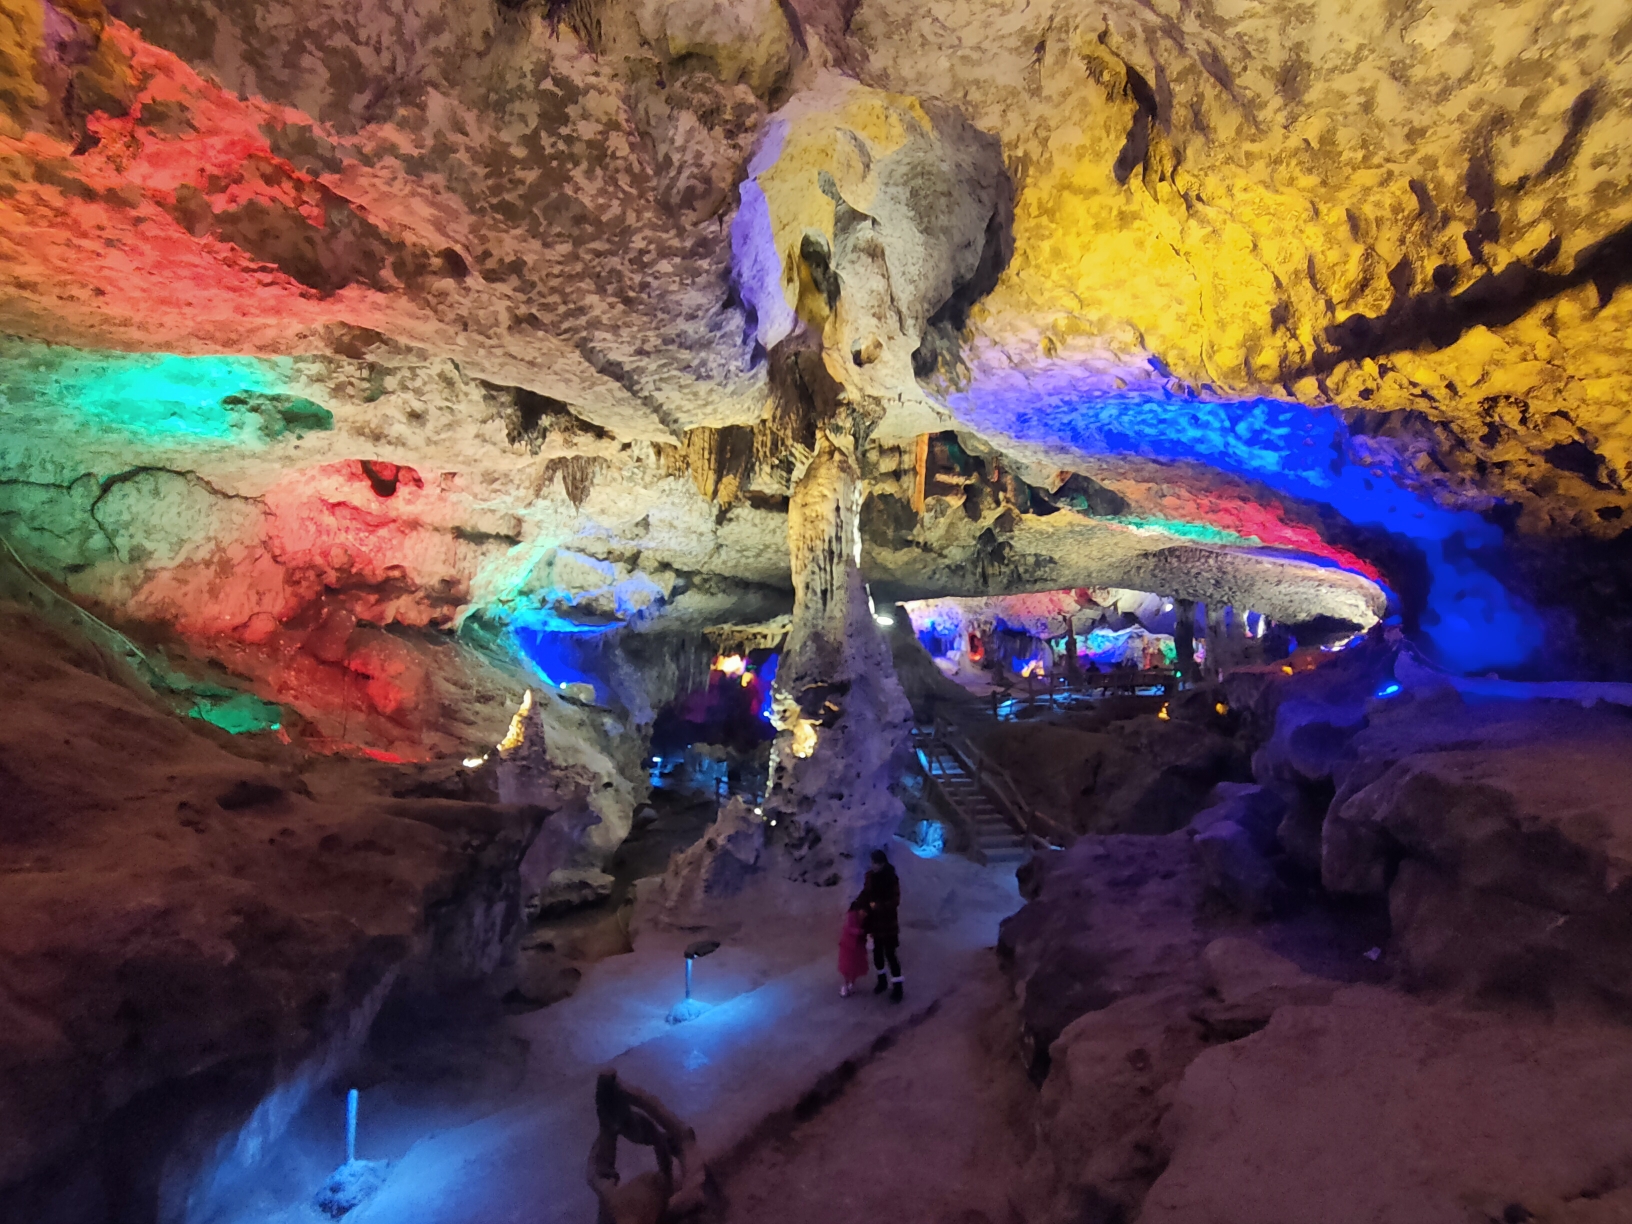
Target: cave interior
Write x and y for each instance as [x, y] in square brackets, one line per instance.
[508, 507]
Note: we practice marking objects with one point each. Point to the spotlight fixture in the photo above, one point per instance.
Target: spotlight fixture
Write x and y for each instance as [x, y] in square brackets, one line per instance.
[884, 619]
[689, 1008]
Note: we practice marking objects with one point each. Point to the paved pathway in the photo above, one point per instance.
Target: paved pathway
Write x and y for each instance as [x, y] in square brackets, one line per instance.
[776, 1028]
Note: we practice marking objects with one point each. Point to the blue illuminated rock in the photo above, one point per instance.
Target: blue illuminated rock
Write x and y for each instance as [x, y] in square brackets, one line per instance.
[352, 1185]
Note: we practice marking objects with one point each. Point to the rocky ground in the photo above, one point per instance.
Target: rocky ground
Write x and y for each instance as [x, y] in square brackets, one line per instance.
[1120, 766]
[927, 1132]
[1426, 1022]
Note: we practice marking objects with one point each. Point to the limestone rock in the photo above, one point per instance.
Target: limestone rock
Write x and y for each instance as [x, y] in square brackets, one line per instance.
[718, 866]
[1106, 774]
[1503, 861]
[841, 715]
[1246, 983]
[1256, 809]
[1379, 1107]
[746, 40]
[151, 861]
[1112, 917]
[573, 888]
[1100, 1110]
[1236, 867]
[544, 976]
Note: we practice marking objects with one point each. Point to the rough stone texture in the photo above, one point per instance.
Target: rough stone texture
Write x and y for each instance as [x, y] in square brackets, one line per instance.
[1238, 868]
[1503, 852]
[1107, 774]
[1236, 844]
[1102, 1113]
[718, 866]
[1412, 216]
[185, 924]
[1123, 976]
[1380, 1108]
[425, 427]
[1109, 918]
[841, 717]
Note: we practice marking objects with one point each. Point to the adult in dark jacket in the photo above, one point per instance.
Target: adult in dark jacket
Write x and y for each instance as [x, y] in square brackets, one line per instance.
[882, 893]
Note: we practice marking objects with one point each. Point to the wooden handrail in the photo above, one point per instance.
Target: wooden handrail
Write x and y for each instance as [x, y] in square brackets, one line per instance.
[995, 781]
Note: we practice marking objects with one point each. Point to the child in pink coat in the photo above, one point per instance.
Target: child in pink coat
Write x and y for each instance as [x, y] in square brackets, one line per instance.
[852, 949]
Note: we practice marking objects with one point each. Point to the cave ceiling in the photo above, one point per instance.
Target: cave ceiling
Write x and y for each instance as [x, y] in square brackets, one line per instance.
[530, 312]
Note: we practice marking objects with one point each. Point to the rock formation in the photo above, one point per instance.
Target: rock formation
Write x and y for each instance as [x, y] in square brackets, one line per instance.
[366, 365]
[189, 925]
[841, 714]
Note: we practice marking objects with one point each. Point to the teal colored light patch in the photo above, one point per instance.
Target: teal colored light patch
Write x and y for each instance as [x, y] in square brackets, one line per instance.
[239, 714]
[1202, 533]
[161, 397]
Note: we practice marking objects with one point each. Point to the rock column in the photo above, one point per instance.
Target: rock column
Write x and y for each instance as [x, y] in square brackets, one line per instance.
[841, 715]
[1184, 639]
[1215, 639]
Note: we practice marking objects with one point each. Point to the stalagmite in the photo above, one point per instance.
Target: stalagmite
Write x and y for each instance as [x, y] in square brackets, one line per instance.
[840, 712]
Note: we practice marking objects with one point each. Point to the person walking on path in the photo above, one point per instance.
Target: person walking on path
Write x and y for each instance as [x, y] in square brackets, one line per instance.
[853, 947]
[882, 892]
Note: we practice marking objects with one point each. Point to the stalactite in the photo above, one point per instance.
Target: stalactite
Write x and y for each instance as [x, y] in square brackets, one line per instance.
[577, 474]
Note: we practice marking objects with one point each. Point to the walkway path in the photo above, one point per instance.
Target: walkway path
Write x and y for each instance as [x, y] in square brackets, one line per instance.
[776, 1030]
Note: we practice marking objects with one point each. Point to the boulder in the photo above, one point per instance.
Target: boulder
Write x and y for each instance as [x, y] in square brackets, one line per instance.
[717, 866]
[1111, 917]
[1237, 868]
[1378, 1107]
[1246, 983]
[1255, 808]
[1506, 864]
[1100, 1110]
[1113, 1074]
[573, 888]
[1234, 840]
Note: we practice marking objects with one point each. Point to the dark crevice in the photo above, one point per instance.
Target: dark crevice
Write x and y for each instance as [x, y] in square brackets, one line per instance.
[1137, 146]
[940, 345]
[1437, 320]
[531, 417]
[1580, 116]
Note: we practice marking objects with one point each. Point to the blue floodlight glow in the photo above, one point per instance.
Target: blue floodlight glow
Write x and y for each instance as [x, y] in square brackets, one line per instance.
[1388, 690]
[556, 647]
[767, 676]
[930, 839]
[1470, 619]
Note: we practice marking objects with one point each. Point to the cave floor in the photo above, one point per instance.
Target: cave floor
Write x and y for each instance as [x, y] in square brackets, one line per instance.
[929, 1131]
[504, 1137]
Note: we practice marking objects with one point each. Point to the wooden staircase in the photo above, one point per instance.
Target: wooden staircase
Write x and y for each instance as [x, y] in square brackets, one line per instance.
[997, 840]
[983, 797]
